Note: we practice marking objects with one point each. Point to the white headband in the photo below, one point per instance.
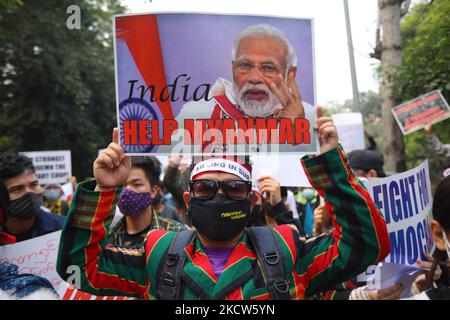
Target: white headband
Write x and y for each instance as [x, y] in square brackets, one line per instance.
[222, 165]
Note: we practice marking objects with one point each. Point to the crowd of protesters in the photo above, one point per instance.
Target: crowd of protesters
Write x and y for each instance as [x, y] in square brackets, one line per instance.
[221, 229]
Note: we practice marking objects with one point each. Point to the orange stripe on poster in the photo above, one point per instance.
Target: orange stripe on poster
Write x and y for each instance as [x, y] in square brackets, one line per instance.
[141, 35]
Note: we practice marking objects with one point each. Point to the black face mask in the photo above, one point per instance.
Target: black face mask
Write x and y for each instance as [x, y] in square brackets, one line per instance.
[26, 206]
[219, 218]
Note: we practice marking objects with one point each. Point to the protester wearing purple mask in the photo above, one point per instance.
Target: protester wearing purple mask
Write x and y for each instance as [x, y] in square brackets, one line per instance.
[135, 204]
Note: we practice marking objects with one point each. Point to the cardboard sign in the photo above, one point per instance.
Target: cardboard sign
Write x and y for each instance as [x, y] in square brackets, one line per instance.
[350, 129]
[182, 87]
[38, 256]
[51, 166]
[417, 113]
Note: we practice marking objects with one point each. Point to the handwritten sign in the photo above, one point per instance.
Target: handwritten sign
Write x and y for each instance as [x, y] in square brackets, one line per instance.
[417, 113]
[51, 166]
[38, 256]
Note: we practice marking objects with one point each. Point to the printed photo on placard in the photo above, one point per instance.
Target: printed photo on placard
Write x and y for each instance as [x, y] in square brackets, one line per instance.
[211, 84]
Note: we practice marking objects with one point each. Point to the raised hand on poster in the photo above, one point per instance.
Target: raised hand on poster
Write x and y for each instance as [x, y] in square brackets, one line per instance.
[288, 95]
[112, 167]
[327, 132]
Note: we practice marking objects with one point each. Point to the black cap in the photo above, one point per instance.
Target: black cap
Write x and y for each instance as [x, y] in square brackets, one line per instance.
[366, 160]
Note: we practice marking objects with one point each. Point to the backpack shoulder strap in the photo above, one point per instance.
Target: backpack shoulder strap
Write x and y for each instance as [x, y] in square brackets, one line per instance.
[271, 260]
[169, 279]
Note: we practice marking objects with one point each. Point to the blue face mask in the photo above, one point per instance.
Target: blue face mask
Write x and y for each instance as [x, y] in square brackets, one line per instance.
[308, 194]
[51, 194]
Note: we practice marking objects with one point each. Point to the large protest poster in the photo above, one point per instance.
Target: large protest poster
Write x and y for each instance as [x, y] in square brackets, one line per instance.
[415, 114]
[182, 87]
[406, 201]
[51, 166]
[38, 256]
[350, 129]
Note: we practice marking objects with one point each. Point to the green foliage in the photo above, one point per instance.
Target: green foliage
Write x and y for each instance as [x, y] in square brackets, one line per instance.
[426, 61]
[7, 5]
[57, 85]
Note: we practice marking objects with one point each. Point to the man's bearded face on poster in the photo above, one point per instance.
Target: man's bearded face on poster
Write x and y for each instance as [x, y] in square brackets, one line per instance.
[259, 60]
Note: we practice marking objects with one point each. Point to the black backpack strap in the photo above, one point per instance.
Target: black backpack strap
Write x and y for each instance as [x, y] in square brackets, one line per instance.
[170, 267]
[271, 259]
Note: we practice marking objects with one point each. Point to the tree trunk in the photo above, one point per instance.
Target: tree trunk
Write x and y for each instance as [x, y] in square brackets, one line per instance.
[394, 146]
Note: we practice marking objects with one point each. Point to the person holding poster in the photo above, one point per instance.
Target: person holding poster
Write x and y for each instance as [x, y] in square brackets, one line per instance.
[367, 163]
[25, 219]
[138, 202]
[271, 210]
[438, 147]
[173, 96]
[263, 86]
[219, 261]
[440, 231]
[175, 181]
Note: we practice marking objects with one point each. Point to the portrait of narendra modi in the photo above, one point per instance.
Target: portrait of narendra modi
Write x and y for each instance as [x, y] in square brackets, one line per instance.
[249, 67]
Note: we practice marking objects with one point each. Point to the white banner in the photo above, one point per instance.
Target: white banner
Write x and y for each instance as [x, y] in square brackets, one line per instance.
[38, 256]
[51, 166]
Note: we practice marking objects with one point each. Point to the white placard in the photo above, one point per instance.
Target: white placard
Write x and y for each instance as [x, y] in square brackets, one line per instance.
[38, 256]
[350, 129]
[287, 169]
[67, 188]
[51, 166]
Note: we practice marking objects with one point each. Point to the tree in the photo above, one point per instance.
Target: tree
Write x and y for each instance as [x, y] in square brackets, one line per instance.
[57, 85]
[394, 148]
[426, 61]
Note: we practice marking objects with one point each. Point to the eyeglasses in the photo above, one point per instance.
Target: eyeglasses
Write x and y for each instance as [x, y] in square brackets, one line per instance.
[266, 68]
[205, 189]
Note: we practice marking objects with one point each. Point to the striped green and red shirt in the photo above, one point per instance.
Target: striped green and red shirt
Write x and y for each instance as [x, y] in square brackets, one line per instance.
[359, 239]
